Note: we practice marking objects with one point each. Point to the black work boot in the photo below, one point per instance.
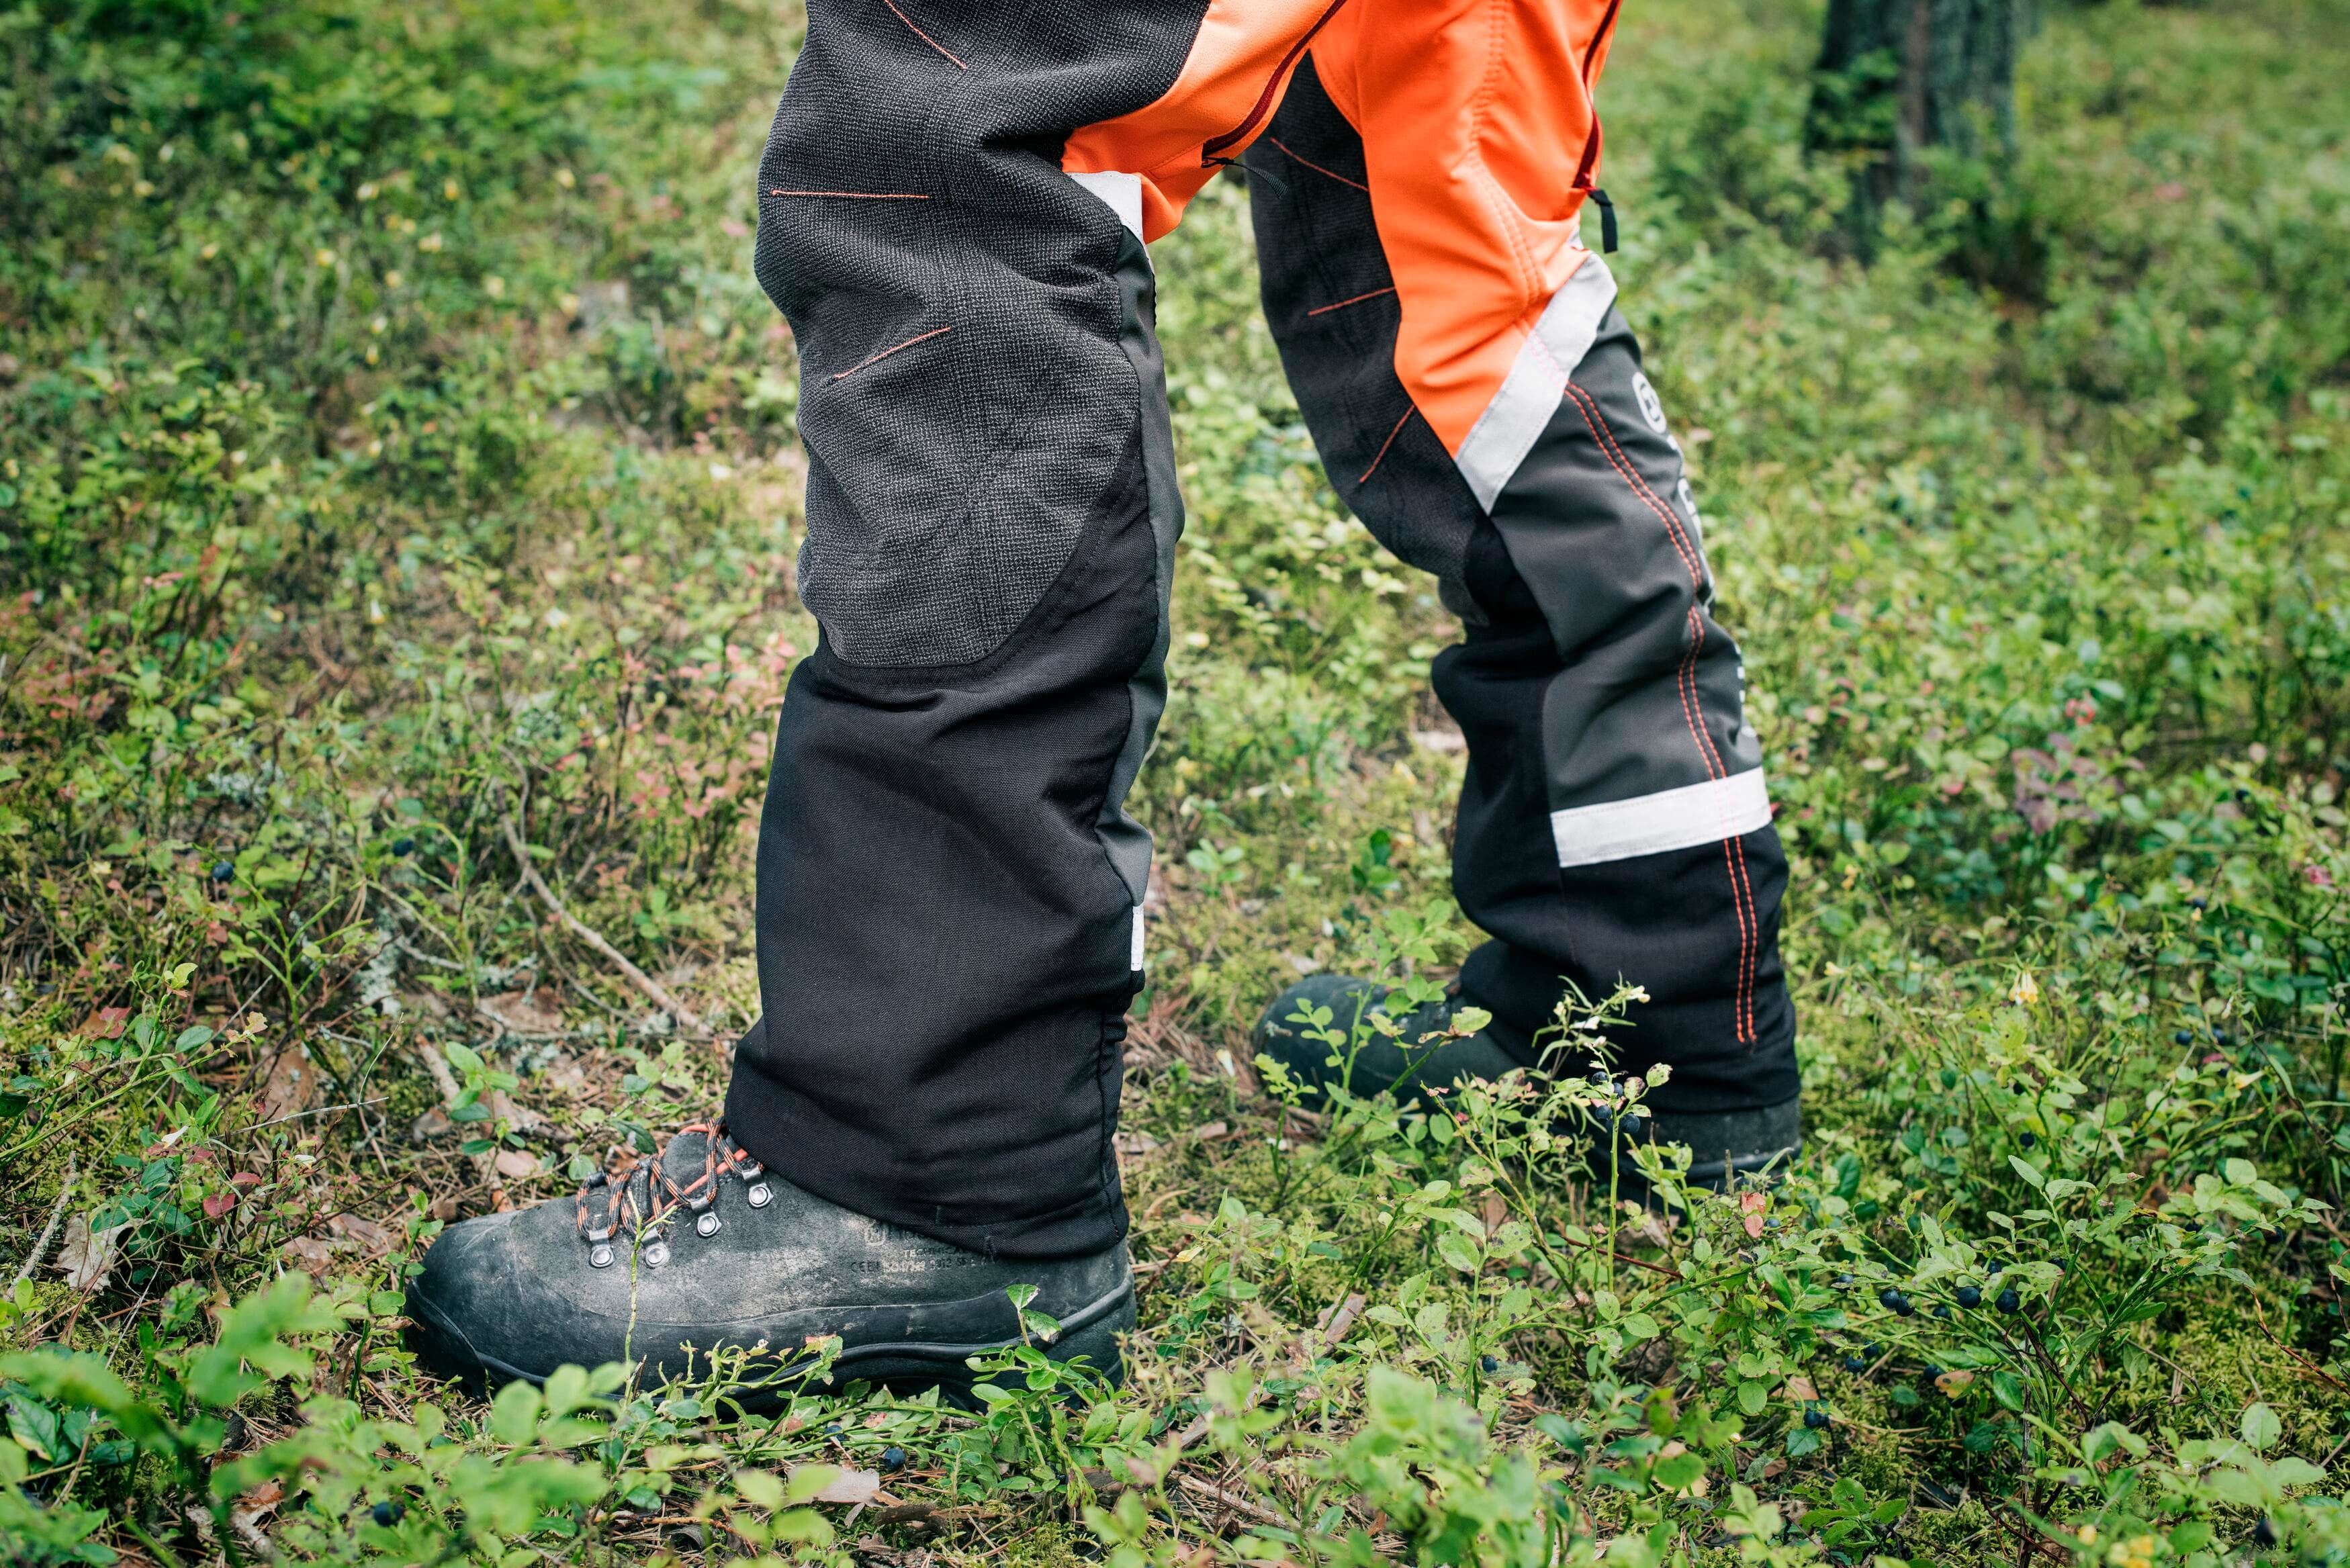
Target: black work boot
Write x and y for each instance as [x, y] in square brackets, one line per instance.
[1726, 1147]
[1420, 1057]
[701, 1249]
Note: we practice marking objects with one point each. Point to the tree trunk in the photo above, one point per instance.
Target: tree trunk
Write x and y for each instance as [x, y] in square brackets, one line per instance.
[1898, 79]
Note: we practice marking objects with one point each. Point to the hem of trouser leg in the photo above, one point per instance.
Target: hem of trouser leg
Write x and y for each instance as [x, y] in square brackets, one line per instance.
[1522, 988]
[756, 1109]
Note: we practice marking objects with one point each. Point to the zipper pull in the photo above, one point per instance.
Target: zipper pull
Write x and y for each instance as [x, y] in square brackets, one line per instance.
[1606, 220]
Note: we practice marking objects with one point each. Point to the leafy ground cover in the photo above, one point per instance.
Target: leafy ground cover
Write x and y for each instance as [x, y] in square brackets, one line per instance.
[397, 483]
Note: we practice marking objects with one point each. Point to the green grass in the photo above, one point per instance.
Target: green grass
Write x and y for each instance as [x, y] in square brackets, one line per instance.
[394, 445]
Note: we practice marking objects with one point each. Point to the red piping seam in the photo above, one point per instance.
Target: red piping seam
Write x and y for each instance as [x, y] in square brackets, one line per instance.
[1326, 309]
[924, 37]
[860, 195]
[1386, 443]
[1263, 105]
[1740, 892]
[1325, 173]
[876, 359]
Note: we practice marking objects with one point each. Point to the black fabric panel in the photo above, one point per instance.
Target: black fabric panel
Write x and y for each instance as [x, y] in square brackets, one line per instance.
[1318, 256]
[963, 394]
[943, 941]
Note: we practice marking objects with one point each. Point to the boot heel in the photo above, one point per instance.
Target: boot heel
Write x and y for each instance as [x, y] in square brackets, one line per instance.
[1097, 1342]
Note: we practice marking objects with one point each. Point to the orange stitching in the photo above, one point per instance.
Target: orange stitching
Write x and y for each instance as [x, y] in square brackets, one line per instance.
[876, 359]
[924, 37]
[1749, 927]
[1327, 173]
[1605, 434]
[858, 196]
[1386, 443]
[1741, 1013]
[1326, 309]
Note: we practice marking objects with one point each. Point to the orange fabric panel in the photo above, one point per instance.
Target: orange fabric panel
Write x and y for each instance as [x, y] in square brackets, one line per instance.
[1476, 119]
[1230, 85]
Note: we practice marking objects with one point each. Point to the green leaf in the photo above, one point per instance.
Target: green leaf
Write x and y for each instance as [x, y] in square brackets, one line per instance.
[1459, 1251]
[513, 1416]
[35, 1426]
[2027, 1170]
[2260, 1428]
[1678, 1473]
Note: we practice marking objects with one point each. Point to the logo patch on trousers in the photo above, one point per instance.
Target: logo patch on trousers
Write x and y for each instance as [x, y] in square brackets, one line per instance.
[1650, 409]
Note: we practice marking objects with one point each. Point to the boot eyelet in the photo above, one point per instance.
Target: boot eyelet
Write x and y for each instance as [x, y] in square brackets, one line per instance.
[600, 1256]
[657, 1255]
[707, 1225]
[761, 1196]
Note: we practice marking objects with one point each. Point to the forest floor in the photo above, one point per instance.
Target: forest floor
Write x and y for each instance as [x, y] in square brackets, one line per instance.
[397, 454]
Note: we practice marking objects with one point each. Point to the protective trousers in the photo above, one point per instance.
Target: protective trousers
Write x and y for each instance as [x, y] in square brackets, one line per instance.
[953, 206]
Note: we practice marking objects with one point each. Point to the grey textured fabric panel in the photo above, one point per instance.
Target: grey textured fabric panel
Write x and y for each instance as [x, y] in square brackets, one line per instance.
[964, 393]
[1600, 524]
[1331, 302]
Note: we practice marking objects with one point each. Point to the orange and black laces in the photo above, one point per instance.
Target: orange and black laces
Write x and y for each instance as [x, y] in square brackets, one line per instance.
[643, 1197]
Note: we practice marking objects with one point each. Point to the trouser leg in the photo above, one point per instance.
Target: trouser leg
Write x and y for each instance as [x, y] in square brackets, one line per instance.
[953, 202]
[1478, 401]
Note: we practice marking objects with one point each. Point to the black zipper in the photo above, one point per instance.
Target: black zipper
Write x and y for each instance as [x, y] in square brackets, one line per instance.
[1590, 160]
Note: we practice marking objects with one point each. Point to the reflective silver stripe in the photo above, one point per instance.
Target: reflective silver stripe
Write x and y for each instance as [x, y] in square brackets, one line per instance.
[1529, 394]
[1136, 960]
[1121, 192]
[1669, 819]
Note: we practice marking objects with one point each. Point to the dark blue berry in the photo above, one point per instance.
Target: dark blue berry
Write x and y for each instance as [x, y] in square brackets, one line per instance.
[1941, 1310]
[1843, 1282]
[1855, 1364]
[403, 846]
[388, 1512]
[893, 1458]
[1930, 1371]
[2223, 1037]
[2184, 1037]
[1893, 1302]
[222, 870]
[1969, 1296]
[2009, 1302]
[1488, 1364]
[2029, 1140]
[2264, 1533]
[1815, 1417]
[1873, 1352]
[2198, 903]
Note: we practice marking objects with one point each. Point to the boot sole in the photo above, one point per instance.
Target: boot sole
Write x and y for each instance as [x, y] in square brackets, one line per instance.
[902, 1366]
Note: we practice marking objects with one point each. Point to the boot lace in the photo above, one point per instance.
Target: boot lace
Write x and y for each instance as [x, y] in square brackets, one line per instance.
[641, 1195]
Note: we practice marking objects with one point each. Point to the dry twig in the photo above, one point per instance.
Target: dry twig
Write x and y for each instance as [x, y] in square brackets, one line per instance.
[49, 1232]
[654, 992]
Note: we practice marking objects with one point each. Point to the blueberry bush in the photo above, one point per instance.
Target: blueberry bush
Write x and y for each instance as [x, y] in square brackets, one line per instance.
[399, 499]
